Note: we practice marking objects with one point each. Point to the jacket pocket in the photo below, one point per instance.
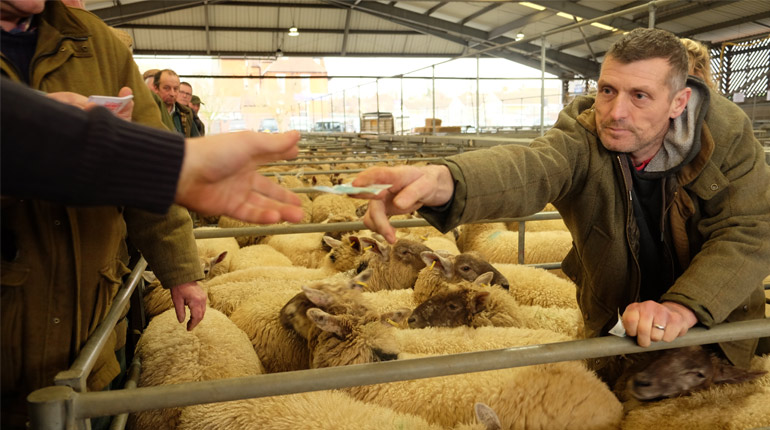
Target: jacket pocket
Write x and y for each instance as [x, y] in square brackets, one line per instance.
[13, 278]
[110, 281]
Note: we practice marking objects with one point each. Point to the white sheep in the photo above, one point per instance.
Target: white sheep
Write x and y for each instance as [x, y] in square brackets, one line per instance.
[258, 255]
[315, 410]
[327, 206]
[303, 249]
[227, 222]
[558, 395]
[535, 286]
[215, 349]
[498, 245]
[211, 249]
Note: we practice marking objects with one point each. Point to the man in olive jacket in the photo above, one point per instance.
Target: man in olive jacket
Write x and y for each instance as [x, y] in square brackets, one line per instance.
[61, 266]
[660, 181]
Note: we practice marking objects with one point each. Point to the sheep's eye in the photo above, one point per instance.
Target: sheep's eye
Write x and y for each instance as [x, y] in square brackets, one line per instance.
[465, 268]
[453, 306]
[333, 258]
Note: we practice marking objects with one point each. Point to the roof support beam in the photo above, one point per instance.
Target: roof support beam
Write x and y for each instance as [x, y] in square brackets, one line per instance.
[268, 29]
[521, 22]
[117, 15]
[566, 64]
[347, 31]
[480, 12]
[434, 8]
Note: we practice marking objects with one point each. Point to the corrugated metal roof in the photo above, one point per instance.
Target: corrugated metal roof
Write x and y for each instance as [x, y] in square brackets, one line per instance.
[419, 28]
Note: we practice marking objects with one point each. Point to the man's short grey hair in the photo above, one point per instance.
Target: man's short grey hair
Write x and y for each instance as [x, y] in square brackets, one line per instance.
[646, 43]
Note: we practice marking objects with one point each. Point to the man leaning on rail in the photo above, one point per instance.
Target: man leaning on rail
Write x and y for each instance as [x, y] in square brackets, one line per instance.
[660, 181]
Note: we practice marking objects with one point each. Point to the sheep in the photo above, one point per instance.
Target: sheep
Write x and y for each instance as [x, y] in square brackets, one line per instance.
[314, 410]
[393, 267]
[212, 248]
[170, 354]
[345, 253]
[557, 395]
[227, 222]
[280, 349]
[498, 245]
[705, 408]
[442, 270]
[326, 206]
[258, 255]
[303, 249]
[453, 269]
[535, 286]
[467, 304]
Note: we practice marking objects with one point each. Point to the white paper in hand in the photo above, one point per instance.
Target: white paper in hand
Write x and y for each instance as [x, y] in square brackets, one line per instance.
[350, 189]
[618, 330]
[113, 104]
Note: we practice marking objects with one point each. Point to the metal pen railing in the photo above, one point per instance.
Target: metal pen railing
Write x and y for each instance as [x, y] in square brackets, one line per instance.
[55, 408]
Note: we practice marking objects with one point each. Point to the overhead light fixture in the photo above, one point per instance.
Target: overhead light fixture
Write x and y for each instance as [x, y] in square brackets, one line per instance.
[519, 36]
[293, 31]
[532, 5]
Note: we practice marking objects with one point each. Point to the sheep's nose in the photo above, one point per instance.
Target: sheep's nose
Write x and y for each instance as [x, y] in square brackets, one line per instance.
[411, 320]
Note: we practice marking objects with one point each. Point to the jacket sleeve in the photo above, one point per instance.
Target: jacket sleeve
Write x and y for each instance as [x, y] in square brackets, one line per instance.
[167, 243]
[515, 180]
[733, 194]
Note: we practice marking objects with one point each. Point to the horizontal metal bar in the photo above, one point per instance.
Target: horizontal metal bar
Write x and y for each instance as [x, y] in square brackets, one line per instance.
[88, 405]
[353, 161]
[342, 226]
[76, 375]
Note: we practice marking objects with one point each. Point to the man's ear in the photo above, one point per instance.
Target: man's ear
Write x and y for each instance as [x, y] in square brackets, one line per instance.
[680, 102]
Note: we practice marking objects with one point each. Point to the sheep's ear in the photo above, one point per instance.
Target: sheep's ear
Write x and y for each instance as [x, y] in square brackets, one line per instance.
[435, 261]
[480, 301]
[396, 317]
[729, 374]
[355, 243]
[373, 245]
[219, 258]
[484, 278]
[326, 322]
[332, 242]
[318, 297]
[487, 417]
[360, 280]
[149, 276]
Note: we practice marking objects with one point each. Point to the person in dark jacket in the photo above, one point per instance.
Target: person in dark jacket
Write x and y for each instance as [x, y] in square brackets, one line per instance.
[660, 181]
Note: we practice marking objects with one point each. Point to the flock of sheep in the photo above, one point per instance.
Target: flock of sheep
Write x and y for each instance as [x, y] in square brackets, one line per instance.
[310, 300]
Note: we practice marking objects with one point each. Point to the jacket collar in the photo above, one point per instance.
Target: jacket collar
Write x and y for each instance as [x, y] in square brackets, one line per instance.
[60, 17]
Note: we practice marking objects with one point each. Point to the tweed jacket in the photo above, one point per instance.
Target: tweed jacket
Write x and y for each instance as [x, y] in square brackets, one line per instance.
[717, 207]
[61, 266]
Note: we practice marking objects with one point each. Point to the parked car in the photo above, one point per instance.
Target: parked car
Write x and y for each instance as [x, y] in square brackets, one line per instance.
[268, 125]
[329, 126]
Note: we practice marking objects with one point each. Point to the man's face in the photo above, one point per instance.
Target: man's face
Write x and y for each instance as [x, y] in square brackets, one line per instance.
[633, 106]
[167, 88]
[195, 108]
[11, 11]
[185, 95]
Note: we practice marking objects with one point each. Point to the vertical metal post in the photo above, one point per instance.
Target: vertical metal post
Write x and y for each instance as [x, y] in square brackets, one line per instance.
[522, 233]
[50, 408]
[401, 81]
[344, 114]
[331, 103]
[542, 85]
[377, 91]
[307, 115]
[433, 103]
[478, 90]
[651, 20]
